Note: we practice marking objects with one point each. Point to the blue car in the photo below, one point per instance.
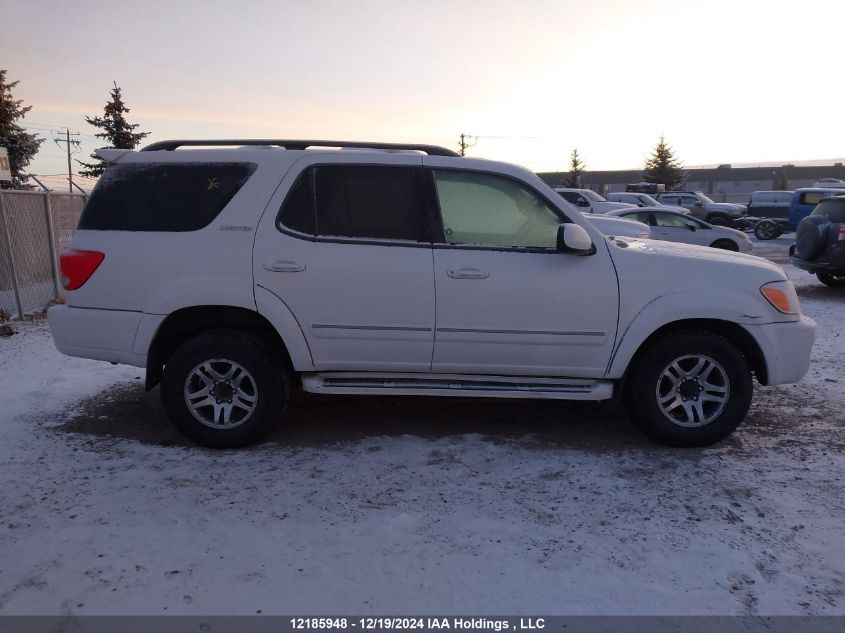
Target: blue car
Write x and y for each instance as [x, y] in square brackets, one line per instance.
[805, 200]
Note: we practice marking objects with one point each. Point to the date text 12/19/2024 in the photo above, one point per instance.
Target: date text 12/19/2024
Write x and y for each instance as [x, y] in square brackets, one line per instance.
[415, 623]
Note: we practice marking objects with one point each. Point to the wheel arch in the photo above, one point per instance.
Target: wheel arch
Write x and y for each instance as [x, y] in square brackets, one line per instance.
[185, 323]
[730, 330]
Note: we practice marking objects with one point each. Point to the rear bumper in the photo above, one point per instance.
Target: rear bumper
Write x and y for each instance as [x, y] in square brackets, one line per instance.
[786, 348]
[98, 334]
[835, 264]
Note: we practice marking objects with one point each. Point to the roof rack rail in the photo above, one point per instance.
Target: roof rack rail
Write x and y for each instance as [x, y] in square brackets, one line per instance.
[431, 150]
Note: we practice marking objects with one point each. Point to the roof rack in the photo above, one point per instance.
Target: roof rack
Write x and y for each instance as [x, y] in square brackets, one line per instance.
[431, 150]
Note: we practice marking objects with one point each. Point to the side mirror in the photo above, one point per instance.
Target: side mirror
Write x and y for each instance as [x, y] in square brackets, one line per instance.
[582, 203]
[573, 238]
[692, 227]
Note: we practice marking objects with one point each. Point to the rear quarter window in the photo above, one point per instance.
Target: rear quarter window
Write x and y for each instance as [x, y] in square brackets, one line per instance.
[810, 197]
[168, 197]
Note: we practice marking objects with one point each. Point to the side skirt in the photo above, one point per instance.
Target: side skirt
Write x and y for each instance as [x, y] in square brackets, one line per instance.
[456, 385]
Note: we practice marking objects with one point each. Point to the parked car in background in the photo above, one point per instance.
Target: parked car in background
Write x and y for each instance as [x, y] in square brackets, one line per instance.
[641, 200]
[805, 200]
[820, 242]
[770, 204]
[830, 183]
[679, 227]
[646, 187]
[768, 214]
[702, 207]
[232, 272]
[588, 201]
[618, 227]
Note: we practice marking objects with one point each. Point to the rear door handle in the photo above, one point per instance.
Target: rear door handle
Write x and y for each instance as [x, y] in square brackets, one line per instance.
[284, 266]
[468, 273]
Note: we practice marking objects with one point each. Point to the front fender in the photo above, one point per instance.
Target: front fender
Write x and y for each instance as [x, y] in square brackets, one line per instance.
[721, 305]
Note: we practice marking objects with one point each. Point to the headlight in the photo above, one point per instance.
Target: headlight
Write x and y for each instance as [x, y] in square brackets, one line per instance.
[781, 295]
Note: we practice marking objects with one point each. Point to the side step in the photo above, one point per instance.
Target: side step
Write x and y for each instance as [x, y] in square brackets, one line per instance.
[457, 385]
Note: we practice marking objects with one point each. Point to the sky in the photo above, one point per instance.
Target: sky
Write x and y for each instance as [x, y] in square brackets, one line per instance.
[726, 81]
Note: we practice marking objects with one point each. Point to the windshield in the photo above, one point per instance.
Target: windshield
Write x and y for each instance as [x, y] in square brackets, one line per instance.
[704, 198]
[592, 195]
[647, 201]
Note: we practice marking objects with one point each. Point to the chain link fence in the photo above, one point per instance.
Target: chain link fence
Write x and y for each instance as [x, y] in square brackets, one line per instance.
[34, 228]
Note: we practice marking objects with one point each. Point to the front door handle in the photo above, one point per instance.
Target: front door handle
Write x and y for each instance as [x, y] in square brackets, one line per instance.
[284, 266]
[468, 273]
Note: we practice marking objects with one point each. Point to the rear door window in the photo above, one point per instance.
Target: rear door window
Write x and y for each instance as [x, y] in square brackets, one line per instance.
[357, 201]
[162, 196]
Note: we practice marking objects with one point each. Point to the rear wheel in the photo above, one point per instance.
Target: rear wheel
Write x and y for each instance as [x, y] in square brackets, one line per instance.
[690, 388]
[718, 220]
[766, 230]
[829, 279]
[727, 245]
[223, 389]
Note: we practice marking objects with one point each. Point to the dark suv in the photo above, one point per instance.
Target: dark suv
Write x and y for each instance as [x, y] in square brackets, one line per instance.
[820, 242]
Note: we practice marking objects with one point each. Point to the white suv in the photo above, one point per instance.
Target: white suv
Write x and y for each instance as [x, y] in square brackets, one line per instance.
[231, 272]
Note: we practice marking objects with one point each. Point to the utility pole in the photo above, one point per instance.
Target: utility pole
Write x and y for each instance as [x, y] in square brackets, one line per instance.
[68, 142]
[465, 143]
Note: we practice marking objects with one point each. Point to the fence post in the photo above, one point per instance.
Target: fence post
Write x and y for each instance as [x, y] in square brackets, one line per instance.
[51, 235]
[7, 238]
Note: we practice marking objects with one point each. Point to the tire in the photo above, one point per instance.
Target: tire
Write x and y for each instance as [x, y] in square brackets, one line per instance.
[811, 237]
[257, 388]
[726, 245]
[829, 279]
[723, 375]
[718, 220]
[766, 230]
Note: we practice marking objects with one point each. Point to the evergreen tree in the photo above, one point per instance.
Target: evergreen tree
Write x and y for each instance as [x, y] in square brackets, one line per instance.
[21, 145]
[115, 129]
[576, 168]
[663, 167]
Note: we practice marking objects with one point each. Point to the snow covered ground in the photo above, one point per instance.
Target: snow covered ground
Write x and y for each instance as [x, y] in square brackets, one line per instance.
[401, 505]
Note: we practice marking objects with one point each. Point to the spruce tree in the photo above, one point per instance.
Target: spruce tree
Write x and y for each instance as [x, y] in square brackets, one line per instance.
[576, 168]
[119, 133]
[21, 145]
[663, 167]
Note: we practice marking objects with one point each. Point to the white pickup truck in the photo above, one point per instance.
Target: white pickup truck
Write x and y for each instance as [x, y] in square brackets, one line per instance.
[230, 271]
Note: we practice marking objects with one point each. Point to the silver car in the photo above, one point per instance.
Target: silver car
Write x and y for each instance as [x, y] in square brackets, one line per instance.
[678, 227]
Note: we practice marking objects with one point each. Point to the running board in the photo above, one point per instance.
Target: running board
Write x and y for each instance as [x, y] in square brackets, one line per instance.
[456, 385]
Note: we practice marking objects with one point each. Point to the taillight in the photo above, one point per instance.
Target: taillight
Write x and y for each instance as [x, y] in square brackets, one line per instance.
[78, 266]
[842, 232]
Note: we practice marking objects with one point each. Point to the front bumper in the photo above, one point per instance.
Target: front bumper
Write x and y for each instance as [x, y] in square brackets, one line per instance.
[98, 334]
[786, 348]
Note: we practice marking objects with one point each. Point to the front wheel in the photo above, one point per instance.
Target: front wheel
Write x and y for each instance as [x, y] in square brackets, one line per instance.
[690, 388]
[223, 389]
[829, 279]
